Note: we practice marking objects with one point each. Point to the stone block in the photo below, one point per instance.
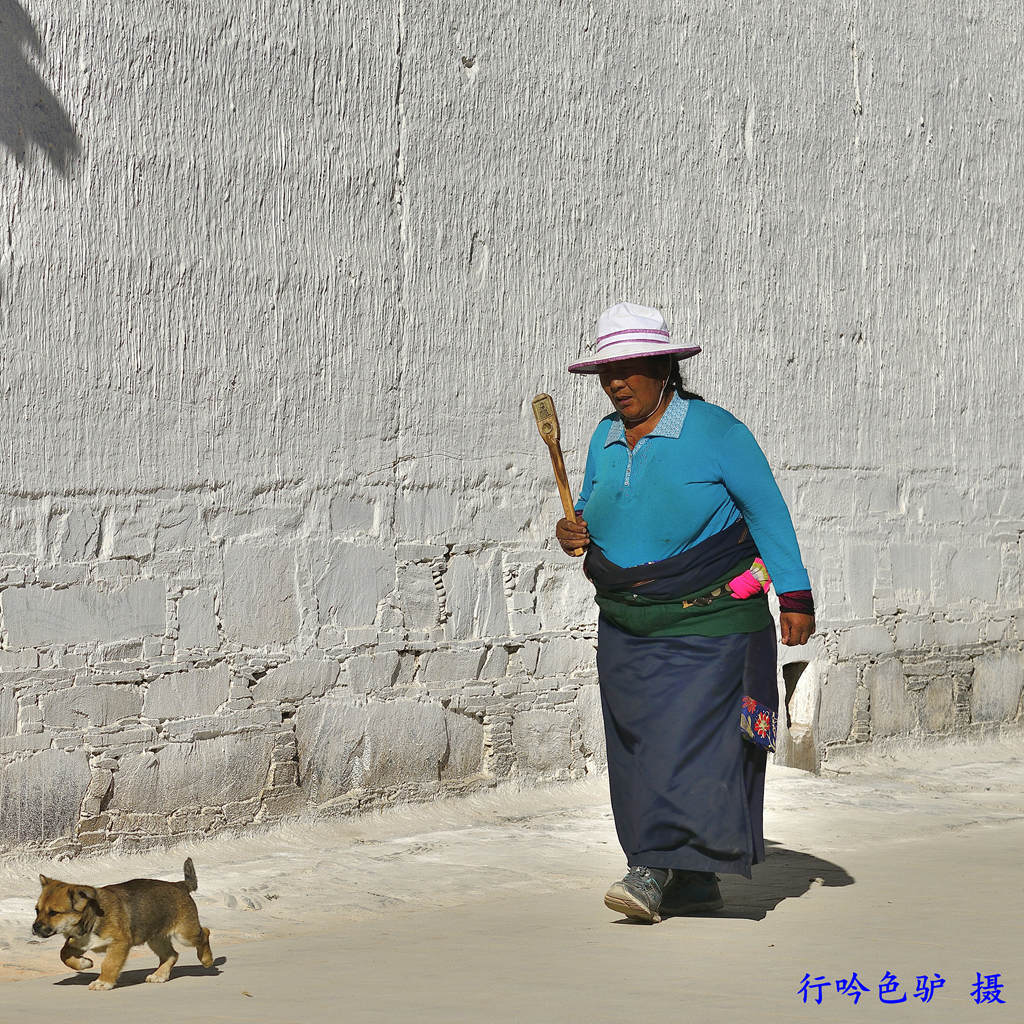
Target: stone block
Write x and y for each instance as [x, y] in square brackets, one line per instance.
[476, 596]
[523, 660]
[937, 706]
[11, 661]
[179, 528]
[8, 711]
[371, 673]
[524, 623]
[268, 520]
[937, 503]
[861, 565]
[22, 532]
[542, 742]
[75, 536]
[41, 796]
[892, 708]
[495, 664]
[114, 570]
[417, 596]
[451, 665]
[874, 495]
[353, 513]
[62, 575]
[373, 746]
[913, 634]
[565, 600]
[203, 773]
[588, 708]
[835, 710]
[131, 532]
[187, 694]
[411, 552]
[973, 574]
[814, 498]
[465, 753]
[859, 640]
[197, 624]
[911, 575]
[37, 617]
[998, 631]
[295, 681]
[106, 737]
[85, 706]
[998, 680]
[951, 635]
[24, 741]
[235, 721]
[355, 579]
[562, 656]
[259, 605]
[118, 655]
[426, 511]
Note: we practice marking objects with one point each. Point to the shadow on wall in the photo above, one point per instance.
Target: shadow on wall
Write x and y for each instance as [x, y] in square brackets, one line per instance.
[29, 113]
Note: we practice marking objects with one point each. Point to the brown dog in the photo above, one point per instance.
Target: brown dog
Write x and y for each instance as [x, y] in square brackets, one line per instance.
[114, 918]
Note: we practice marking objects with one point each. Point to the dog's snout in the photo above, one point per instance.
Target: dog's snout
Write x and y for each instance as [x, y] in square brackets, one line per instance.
[42, 930]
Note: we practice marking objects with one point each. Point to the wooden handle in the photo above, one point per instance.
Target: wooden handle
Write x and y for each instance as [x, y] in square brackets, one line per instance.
[547, 424]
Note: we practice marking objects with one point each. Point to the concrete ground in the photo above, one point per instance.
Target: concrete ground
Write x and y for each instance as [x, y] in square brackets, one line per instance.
[490, 909]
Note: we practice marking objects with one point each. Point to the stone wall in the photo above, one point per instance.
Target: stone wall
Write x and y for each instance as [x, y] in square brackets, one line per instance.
[176, 670]
[278, 282]
[918, 577]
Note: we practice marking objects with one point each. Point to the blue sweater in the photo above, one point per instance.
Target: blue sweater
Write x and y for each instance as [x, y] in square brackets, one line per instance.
[693, 475]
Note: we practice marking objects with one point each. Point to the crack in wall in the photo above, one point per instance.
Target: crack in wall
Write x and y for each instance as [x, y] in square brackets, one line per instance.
[858, 113]
[399, 199]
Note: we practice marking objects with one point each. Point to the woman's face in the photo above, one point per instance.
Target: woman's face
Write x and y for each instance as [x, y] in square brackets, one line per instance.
[635, 386]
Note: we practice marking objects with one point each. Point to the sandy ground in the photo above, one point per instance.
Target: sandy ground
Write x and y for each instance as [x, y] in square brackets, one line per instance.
[490, 909]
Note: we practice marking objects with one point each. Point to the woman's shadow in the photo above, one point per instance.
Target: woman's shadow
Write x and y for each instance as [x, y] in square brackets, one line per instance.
[29, 113]
[784, 874]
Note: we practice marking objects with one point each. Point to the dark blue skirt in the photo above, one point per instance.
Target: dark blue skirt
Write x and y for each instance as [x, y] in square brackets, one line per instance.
[687, 791]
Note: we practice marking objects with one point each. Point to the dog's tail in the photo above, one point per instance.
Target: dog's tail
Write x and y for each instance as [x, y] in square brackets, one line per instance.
[191, 883]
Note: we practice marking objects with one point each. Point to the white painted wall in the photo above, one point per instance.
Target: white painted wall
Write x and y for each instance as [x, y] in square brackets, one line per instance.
[279, 281]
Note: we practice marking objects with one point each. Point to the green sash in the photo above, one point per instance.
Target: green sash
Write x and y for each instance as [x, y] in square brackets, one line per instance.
[713, 615]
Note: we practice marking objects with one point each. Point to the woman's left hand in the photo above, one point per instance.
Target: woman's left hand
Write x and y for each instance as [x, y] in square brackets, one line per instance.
[796, 628]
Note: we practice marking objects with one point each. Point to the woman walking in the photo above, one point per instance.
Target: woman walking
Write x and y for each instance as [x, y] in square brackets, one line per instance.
[682, 523]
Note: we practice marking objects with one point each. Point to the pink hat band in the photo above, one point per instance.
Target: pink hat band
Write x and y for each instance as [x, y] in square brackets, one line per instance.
[645, 335]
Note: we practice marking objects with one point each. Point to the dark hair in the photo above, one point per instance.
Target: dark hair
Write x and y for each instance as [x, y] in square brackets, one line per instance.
[675, 380]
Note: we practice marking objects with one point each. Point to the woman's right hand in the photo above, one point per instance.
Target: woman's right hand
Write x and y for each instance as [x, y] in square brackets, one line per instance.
[572, 536]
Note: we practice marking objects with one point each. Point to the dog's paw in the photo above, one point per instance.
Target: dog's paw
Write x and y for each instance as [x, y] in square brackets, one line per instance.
[156, 978]
[79, 963]
[99, 985]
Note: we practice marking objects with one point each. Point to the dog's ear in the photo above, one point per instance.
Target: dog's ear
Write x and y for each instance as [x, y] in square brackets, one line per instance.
[82, 896]
[44, 881]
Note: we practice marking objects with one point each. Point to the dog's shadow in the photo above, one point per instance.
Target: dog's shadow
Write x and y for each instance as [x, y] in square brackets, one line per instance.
[139, 975]
[785, 874]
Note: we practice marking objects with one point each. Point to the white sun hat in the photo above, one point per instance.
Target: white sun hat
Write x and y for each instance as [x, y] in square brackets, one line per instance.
[629, 331]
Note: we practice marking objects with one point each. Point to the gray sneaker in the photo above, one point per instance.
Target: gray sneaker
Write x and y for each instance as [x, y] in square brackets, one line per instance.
[638, 895]
[691, 892]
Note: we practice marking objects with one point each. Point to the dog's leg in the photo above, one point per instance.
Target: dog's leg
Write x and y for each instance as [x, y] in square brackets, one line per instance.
[192, 932]
[71, 956]
[112, 964]
[161, 945]
[203, 951]
[201, 940]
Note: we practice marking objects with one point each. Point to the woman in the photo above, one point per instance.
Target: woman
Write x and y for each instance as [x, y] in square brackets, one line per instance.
[677, 510]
